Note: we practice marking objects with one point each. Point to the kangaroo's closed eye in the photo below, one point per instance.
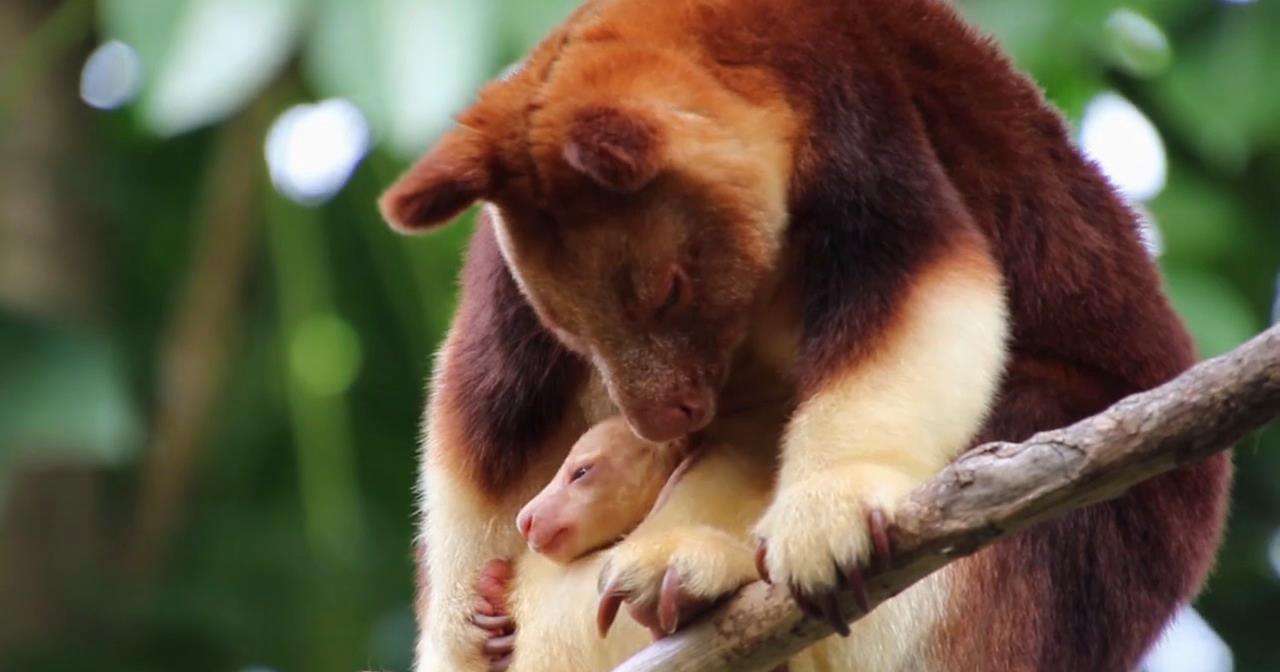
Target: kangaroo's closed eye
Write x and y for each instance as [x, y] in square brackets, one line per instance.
[675, 287]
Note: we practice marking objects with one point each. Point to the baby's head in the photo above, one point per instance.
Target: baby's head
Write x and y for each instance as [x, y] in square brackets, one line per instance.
[606, 486]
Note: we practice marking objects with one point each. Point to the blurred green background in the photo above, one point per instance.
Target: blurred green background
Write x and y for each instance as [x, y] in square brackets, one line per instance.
[213, 353]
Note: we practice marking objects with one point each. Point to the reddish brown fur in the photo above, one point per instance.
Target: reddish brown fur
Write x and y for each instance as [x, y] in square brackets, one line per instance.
[444, 186]
[506, 381]
[916, 137]
[1084, 298]
[617, 150]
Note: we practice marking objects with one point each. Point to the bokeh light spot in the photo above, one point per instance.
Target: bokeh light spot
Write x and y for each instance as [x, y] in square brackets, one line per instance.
[325, 354]
[1126, 145]
[112, 76]
[1137, 44]
[312, 150]
[1189, 645]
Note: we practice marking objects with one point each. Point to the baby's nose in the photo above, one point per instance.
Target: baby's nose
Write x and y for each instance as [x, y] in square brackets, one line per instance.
[524, 522]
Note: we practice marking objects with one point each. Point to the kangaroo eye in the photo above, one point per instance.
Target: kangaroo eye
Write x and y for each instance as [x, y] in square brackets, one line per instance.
[579, 473]
[677, 287]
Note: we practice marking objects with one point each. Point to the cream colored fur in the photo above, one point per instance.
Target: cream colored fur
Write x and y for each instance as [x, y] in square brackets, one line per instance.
[878, 431]
[462, 534]
[463, 531]
[555, 608]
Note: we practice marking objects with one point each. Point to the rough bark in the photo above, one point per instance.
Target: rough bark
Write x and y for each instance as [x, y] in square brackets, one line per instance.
[998, 489]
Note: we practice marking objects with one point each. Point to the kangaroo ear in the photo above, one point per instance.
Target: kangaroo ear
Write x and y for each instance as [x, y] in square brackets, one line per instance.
[442, 184]
[619, 150]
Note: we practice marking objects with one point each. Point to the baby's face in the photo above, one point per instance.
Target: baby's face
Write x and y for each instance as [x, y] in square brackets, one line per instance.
[606, 486]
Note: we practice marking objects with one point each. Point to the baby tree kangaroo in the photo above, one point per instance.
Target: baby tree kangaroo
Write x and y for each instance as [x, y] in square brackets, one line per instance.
[609, 482]
[606, 486]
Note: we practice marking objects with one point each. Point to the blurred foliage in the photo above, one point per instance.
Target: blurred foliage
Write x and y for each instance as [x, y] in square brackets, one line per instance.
[289, 544]
[407, 63]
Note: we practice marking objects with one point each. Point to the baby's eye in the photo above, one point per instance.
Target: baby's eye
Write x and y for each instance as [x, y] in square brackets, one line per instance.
[579, 472]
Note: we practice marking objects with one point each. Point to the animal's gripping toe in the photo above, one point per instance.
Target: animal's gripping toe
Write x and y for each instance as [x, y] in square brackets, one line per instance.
[666, 583]
[499, 622]
[490, 614]
[821, 555]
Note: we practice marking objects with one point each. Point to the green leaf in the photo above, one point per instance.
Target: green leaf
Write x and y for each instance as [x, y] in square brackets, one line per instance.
[1217, 313]
[64, 395]
[409, 64]
[148, 27]
[525, 23]
[438, 54]
[1222, 93]
[1020, 27]
[1136, 44]
[1202, 223]
[1041, 36]
[205, 59]
[344, 57]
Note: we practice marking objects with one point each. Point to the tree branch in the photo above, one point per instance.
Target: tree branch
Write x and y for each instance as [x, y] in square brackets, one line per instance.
[998, 489]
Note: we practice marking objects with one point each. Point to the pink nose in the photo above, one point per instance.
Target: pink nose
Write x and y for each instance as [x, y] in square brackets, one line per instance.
[524, 522]
[543, 536]
[674, 419]
[696, 410]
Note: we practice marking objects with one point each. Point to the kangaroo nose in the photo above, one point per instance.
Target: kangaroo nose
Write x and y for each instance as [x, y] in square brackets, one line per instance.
[695, 411]
[675, 417]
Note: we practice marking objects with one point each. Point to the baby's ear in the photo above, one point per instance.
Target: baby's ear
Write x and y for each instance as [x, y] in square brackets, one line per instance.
[452, 176]
[621, 150]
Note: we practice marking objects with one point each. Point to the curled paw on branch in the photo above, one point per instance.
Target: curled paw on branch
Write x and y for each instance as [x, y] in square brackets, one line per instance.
[990, 493]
